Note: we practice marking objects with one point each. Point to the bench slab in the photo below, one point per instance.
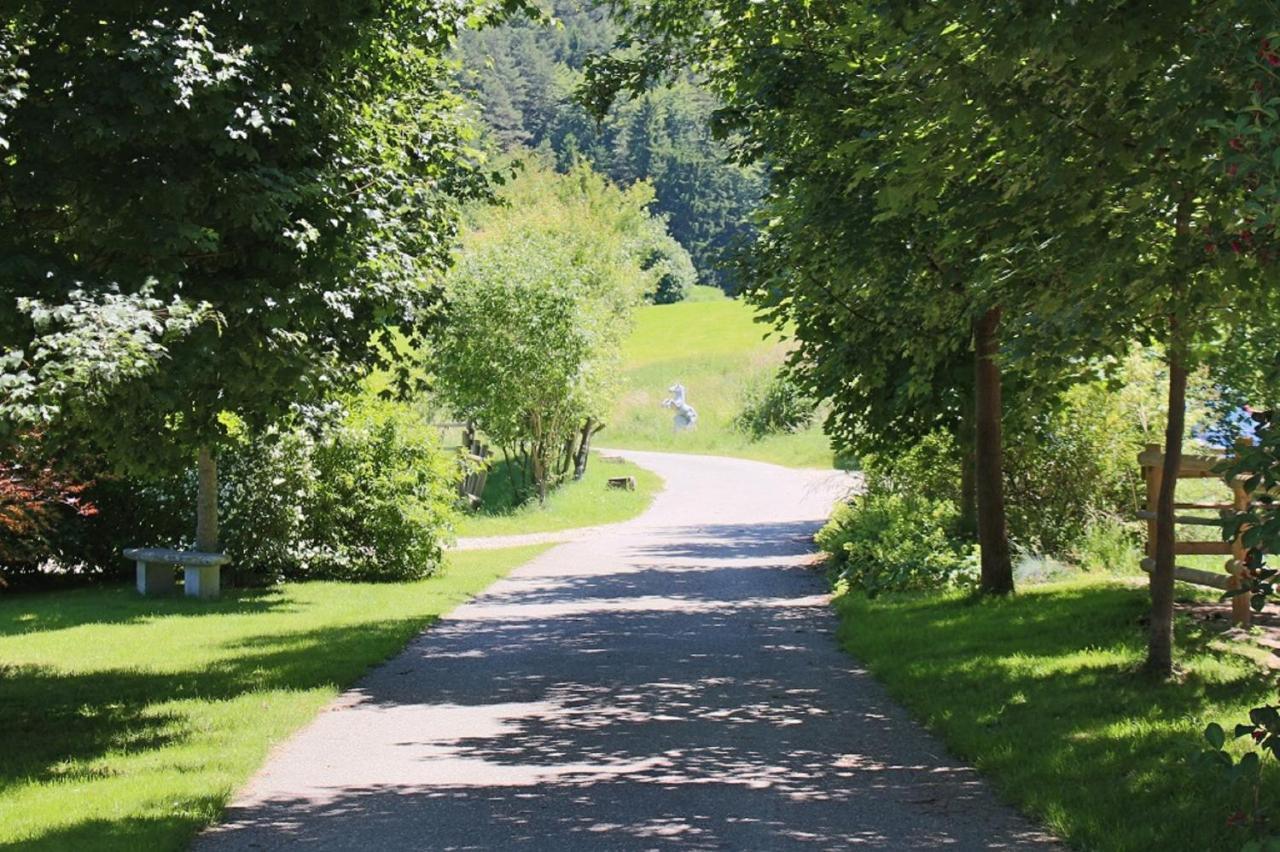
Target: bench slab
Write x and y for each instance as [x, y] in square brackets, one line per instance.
[175, 557]
[201, 571]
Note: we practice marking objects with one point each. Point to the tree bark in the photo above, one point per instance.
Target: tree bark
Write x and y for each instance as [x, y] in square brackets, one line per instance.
[589, 429]
[993, 537]
[1160, 640]
[541, 474]
[206, 501]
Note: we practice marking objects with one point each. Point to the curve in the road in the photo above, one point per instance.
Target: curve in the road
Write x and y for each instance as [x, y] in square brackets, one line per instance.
[670, 682]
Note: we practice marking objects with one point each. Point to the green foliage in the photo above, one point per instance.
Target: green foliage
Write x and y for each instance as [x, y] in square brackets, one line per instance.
[321, 211]
[897, 542]
[776, 406]
[538, 305]
[1071, 473]
[929, 466]
[670, 263]
[365, 496]
[524, 75]
[381, 502]
[84, 348]
[1073, 467]
[1110, 545]
[368, 497]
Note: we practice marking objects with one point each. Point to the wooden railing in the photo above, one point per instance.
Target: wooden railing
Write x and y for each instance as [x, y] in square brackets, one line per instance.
[1198, 467]
[476, 454]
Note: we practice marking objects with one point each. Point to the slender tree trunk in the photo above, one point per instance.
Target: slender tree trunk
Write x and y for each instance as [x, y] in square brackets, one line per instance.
[993, 537]
[207, 501]
[1160, 642]
[567, 456]
[541, 471]
[589, 429]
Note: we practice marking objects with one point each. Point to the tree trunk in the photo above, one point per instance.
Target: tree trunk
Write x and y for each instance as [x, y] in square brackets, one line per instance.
[1160, 641]
[541, 473]
[207, 502]
[589, 429]
[567, 456]
[993, 537]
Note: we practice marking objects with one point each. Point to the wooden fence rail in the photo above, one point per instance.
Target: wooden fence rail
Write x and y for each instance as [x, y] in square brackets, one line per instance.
[1198, 467]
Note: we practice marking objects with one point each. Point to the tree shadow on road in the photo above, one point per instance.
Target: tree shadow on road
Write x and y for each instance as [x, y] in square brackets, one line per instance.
[690, 696]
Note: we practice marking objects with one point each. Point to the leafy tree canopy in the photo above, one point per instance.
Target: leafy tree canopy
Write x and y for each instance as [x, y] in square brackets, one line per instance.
[538, 306]
[253, 189]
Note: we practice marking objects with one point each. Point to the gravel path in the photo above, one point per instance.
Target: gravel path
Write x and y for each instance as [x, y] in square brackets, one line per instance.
[669, 683]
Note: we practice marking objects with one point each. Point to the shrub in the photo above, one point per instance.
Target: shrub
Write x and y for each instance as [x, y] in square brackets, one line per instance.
[894, 542]
[1111, 545]
[1073, 467]
[930, 466]
[366, 497]
[774, 407]
[381, 504]
[36, 506]
[1066, 470]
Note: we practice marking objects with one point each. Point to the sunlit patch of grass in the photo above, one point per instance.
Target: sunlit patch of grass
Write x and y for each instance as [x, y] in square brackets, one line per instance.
[1041, 692]
[717, 351]
[574, 504]
[129, 721]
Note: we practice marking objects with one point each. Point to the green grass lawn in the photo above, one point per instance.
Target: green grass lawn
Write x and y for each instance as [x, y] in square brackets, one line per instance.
[574, 504]
[716, 350]
[1039, 692]
[128, 722]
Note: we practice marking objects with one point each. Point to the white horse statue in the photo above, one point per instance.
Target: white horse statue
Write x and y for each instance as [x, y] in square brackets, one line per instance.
[686, 417]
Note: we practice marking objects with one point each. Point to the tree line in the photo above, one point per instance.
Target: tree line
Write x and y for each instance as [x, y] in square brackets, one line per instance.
[523, 75]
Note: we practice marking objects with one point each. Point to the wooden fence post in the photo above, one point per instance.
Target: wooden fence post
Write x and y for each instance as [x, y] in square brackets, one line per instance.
[1241, 612]
[1154, 475]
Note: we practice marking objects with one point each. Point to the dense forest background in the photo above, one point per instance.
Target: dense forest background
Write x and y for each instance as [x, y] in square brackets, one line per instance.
[523, 75]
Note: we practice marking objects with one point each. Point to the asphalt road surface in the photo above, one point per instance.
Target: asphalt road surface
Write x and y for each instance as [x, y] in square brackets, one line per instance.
[671, 682]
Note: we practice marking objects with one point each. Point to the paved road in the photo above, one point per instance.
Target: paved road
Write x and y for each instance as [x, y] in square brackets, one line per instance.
[669, 683]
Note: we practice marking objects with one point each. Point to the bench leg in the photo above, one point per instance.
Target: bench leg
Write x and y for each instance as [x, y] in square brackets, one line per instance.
[155, 578]
[202, 581]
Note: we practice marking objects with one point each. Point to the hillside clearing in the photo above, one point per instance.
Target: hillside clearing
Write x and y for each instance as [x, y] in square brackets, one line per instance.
[717, 350]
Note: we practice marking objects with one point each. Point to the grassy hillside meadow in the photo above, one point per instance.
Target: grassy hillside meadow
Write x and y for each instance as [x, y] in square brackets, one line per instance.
[713, 346]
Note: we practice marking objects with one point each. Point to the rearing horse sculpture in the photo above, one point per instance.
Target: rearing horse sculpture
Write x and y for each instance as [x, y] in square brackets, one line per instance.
[686, 417]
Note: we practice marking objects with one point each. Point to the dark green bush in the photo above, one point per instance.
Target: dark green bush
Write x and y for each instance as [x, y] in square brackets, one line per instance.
[774, 407]
[930, 466]
[369, 497]
[894, 542]
[381, 503]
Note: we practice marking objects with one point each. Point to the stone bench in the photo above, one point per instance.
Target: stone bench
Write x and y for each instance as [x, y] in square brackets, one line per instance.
[201, 571]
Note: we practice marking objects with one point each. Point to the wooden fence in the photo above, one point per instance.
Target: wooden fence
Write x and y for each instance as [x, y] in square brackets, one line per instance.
[476, 456]
[1198, 467]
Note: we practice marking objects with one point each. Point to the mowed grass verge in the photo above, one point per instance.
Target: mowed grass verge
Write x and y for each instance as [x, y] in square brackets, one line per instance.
[585, 503]
[1040, 693]
[128, 721]
[716, 349]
